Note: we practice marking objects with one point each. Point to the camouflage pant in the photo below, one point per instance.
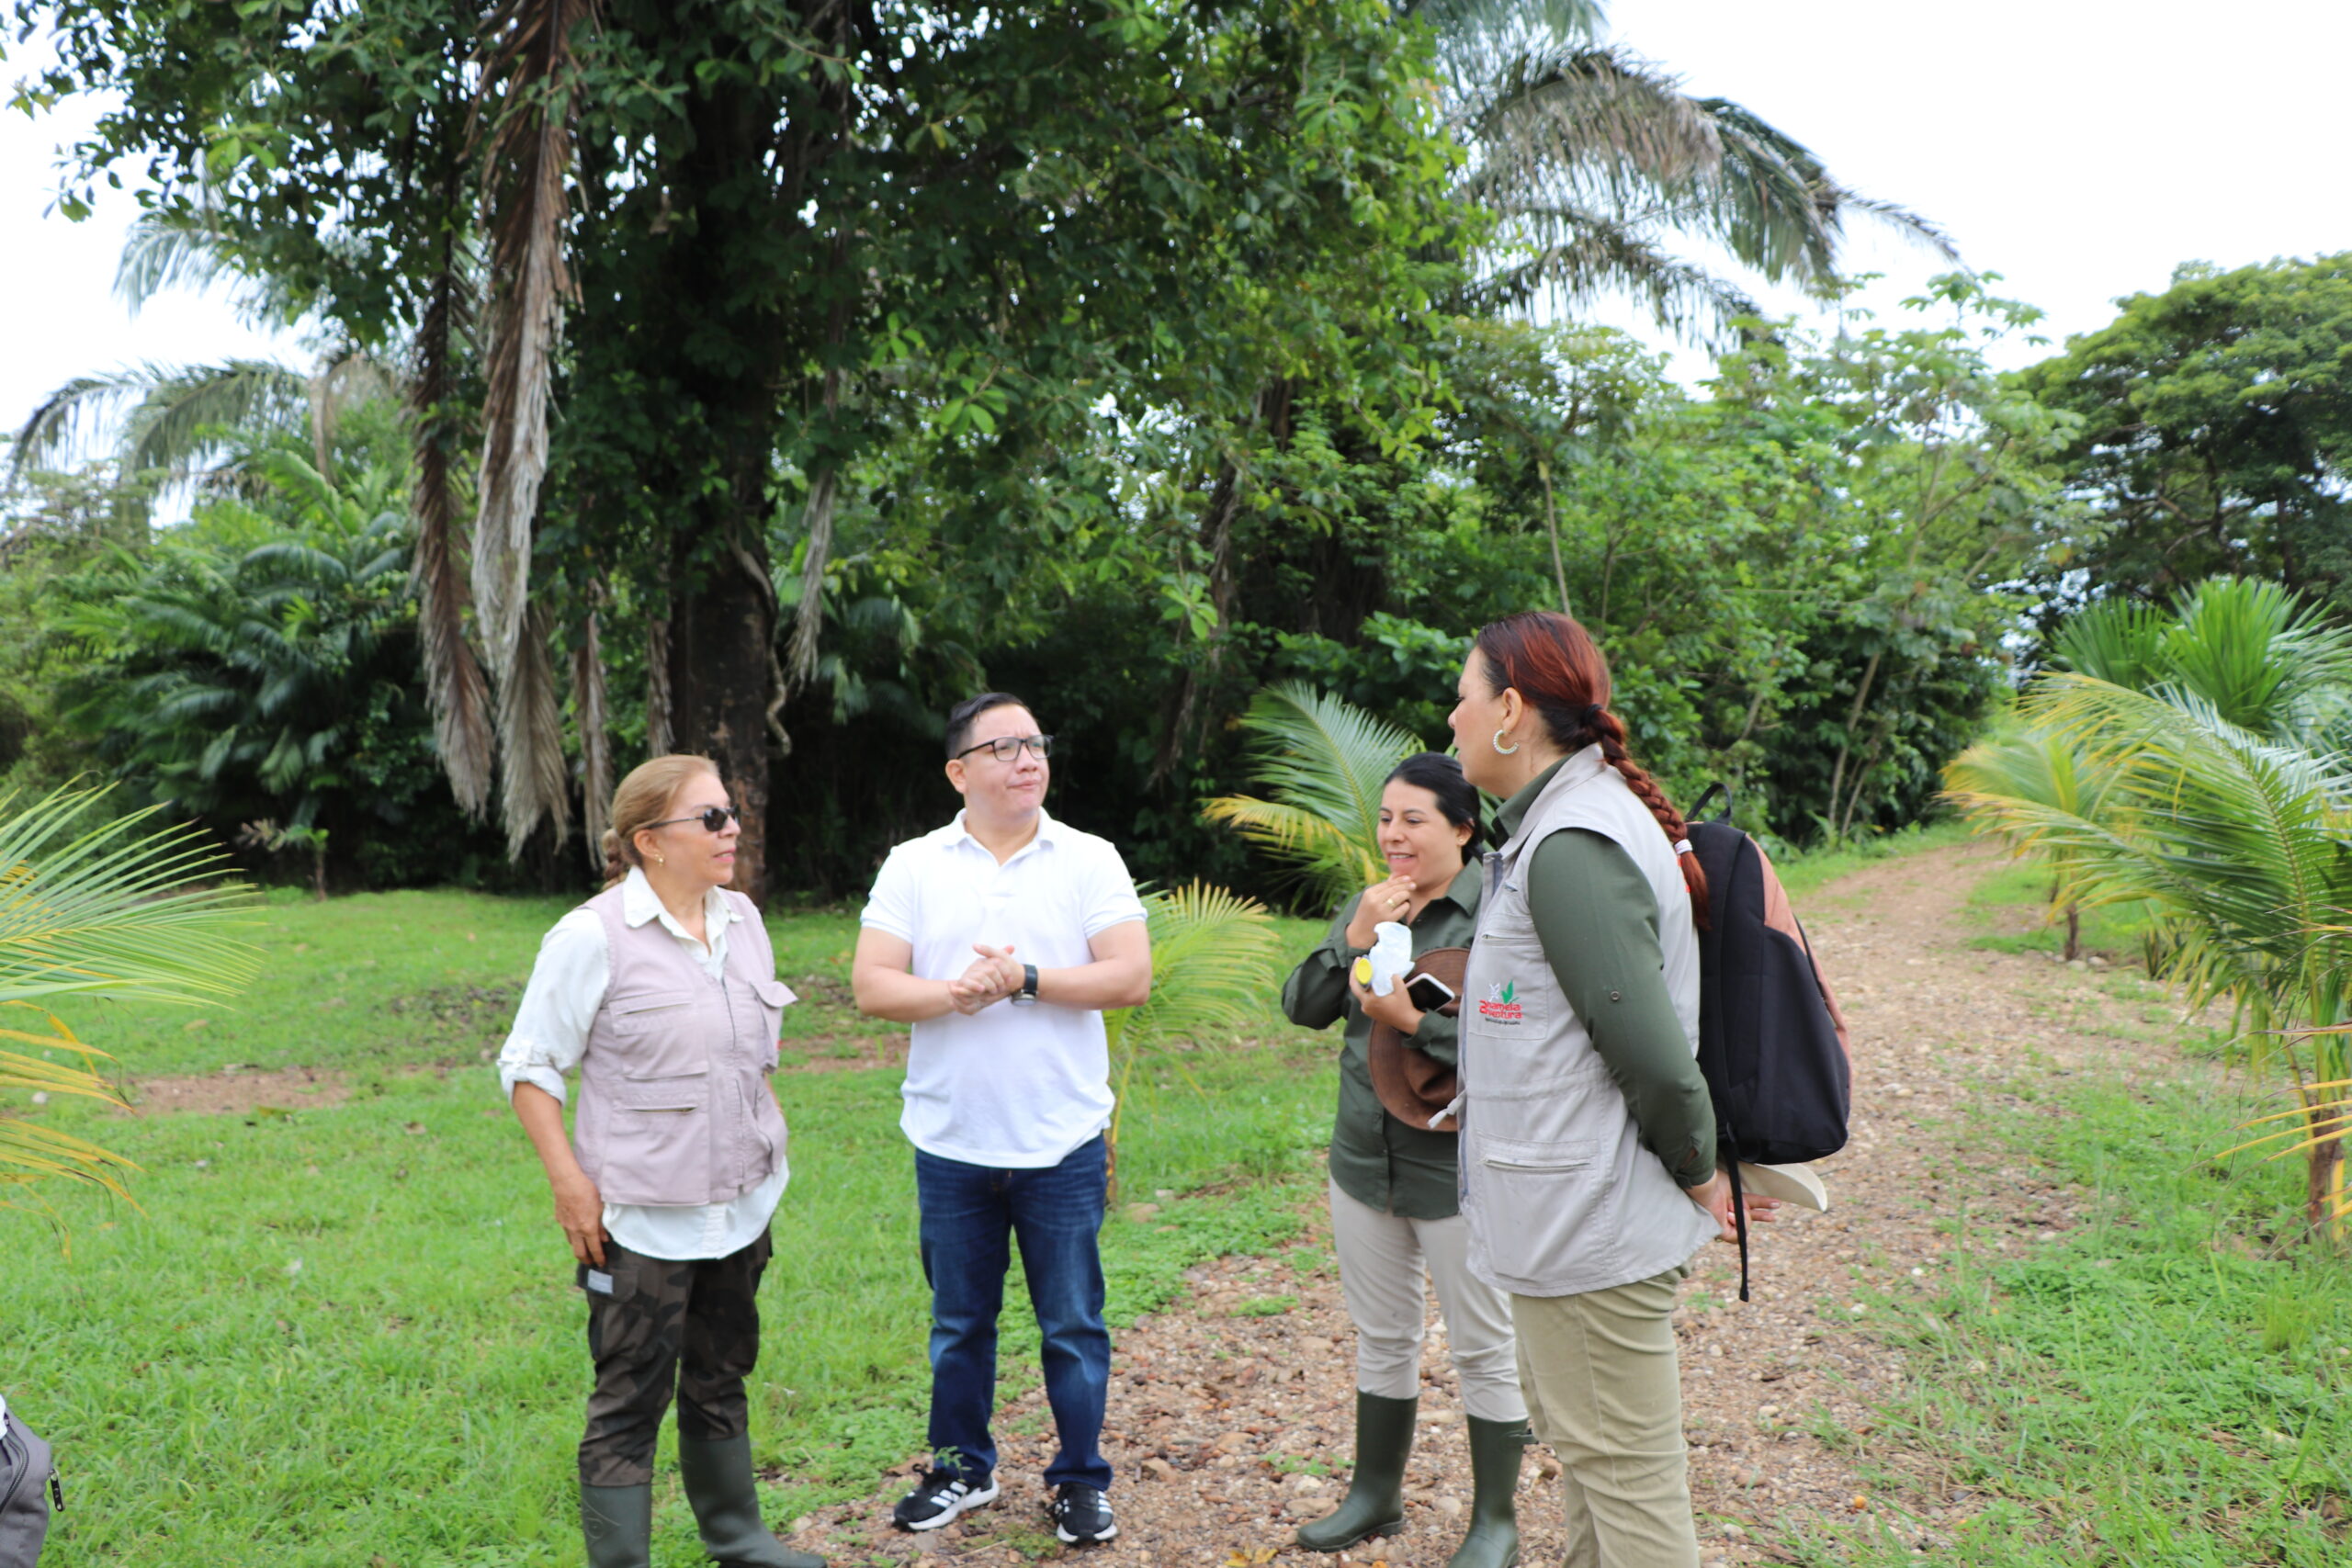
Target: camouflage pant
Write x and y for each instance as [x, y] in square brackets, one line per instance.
[694, 1325]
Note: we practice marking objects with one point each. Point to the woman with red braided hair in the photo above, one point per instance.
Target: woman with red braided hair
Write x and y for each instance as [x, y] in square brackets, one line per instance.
[1588, 1142]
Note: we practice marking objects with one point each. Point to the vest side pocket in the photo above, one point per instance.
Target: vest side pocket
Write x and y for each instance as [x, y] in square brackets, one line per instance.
[1546, 1198]
[657, 1140]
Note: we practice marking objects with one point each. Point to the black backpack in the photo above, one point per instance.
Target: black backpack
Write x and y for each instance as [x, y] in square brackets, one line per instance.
[1770, 1042]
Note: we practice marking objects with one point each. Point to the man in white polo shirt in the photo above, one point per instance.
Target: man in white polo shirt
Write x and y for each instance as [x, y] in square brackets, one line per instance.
[1002, 938]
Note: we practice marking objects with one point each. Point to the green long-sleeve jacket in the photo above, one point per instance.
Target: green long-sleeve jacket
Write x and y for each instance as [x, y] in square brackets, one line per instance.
[1378, 1160]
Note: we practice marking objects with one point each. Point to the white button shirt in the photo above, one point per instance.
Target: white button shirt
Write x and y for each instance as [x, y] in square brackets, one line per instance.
[1008, 1088]
[550, 1034]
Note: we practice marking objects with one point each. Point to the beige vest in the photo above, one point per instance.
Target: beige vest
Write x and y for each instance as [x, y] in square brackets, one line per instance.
[674, 1107]
[1559, 1192]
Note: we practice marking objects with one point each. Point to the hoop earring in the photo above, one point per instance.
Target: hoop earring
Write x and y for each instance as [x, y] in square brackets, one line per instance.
[1500, 748]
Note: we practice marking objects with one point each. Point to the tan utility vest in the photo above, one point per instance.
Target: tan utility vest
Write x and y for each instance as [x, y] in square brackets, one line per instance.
[674, 1107]
[1560, 1194]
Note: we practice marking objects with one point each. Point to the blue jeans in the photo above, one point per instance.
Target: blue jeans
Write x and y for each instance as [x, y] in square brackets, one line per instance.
[969, 1212]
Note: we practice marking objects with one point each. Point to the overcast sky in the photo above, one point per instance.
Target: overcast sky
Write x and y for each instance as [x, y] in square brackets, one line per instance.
[2081, 148]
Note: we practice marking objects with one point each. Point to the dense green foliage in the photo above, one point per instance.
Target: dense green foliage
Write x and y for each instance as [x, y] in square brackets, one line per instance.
[2215, 434]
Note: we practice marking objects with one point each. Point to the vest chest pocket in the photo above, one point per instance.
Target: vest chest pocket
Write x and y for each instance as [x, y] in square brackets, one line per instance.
[1516, 1000]
[774, 996]
[658, 1034]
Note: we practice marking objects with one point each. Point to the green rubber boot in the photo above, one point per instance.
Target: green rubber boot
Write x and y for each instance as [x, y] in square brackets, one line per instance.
[618, 1522]
[1375, 1501]
[725, 1498]
[1493, 1540]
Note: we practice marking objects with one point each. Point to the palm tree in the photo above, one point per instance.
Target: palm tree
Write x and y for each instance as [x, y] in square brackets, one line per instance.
[1215, 958]
[1323, 763]
[120, 910]
[2036, 766]
[2220, 806]
[1597, 167]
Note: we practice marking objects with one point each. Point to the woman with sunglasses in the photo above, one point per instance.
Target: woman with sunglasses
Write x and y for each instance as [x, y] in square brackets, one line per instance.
[662, 992]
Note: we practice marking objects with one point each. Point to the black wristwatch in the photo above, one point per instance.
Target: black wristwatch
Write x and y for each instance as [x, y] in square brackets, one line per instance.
[1026, 997]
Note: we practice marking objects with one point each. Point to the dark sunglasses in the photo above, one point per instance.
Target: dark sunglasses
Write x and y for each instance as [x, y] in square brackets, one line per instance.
[1005, 747]
[713, 819]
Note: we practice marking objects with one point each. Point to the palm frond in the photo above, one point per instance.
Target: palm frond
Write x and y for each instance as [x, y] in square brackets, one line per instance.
[456, 689]
[1216, 958]
[1574, 255]
[534, 782]
[528, 155]
[116, 910]
[1322, 761]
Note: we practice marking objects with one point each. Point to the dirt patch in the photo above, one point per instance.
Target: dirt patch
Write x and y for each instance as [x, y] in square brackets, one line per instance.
[1230, 1416]
[240, 1091]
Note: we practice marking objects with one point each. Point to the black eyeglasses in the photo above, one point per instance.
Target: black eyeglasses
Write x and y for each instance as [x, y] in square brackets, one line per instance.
[714, 819]
[1006, 748]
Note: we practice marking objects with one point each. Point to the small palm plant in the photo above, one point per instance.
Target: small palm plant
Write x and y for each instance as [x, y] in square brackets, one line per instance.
[115, 910]
[2222, 801]
[2034, 765]
[1215, 966]
[1322, 762]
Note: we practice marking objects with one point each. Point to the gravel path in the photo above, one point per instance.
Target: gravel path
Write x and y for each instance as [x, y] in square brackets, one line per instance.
[1229, 1414]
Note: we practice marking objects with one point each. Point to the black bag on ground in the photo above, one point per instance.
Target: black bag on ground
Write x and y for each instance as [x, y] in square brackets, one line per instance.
[1771, 1045]
[28, 1482]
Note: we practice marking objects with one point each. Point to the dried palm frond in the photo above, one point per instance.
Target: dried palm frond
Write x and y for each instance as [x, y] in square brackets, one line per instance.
[528, 156]
[456, 688]
[534, 782]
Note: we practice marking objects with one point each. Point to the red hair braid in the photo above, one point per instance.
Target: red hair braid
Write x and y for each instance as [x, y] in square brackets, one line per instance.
[1553, 662]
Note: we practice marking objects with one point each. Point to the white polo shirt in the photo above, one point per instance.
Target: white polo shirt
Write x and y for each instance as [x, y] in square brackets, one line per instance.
[1011, 1088]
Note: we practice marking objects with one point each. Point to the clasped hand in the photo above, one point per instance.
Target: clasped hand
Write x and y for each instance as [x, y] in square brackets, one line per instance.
[993, 977]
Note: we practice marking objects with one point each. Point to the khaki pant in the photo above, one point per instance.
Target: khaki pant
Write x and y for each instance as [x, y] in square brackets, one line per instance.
[1603, 1389]
[1387, 1265]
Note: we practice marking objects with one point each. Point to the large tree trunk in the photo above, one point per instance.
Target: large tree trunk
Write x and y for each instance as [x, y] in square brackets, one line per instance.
[722, 634]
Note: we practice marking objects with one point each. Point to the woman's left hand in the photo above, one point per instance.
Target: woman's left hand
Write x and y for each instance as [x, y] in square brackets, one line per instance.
[1395, 1009]
[1715, 1198]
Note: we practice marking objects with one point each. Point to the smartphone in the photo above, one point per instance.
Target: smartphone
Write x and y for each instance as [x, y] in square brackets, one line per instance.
[1428, 993]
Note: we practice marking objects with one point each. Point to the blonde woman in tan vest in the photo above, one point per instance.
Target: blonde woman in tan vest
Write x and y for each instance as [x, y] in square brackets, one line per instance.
[662, 992]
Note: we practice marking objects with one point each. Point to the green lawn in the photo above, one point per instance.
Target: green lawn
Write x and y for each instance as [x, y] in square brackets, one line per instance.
[2164, 1386]
[347, 1334]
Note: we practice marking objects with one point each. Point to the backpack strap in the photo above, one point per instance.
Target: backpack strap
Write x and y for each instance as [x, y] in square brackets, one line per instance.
[1698, 811]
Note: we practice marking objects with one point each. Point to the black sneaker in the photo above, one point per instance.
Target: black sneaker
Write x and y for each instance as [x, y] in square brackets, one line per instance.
[1082, 1515]
[942, 1496]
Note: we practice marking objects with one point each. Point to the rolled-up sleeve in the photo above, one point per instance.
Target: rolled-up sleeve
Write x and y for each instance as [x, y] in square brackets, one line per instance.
[566, 987]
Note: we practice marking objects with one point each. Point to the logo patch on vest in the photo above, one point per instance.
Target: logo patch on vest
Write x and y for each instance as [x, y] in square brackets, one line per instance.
[1502, 1005]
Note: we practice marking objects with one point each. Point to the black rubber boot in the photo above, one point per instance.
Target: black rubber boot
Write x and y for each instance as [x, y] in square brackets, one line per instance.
[1493, 1540]
[725, 1498]
[1375, 1501]
[618, 1522]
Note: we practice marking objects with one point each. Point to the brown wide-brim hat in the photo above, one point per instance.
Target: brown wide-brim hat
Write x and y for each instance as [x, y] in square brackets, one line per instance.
[1413, 1085]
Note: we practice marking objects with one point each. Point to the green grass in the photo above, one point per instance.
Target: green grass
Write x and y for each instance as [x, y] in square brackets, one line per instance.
[425, 979]
[1811, 871]
[2015, 902]
[2163, 1384]
[347, 1334]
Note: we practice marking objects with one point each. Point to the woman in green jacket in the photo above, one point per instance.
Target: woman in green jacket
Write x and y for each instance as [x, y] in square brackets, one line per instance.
[1395, 1221]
